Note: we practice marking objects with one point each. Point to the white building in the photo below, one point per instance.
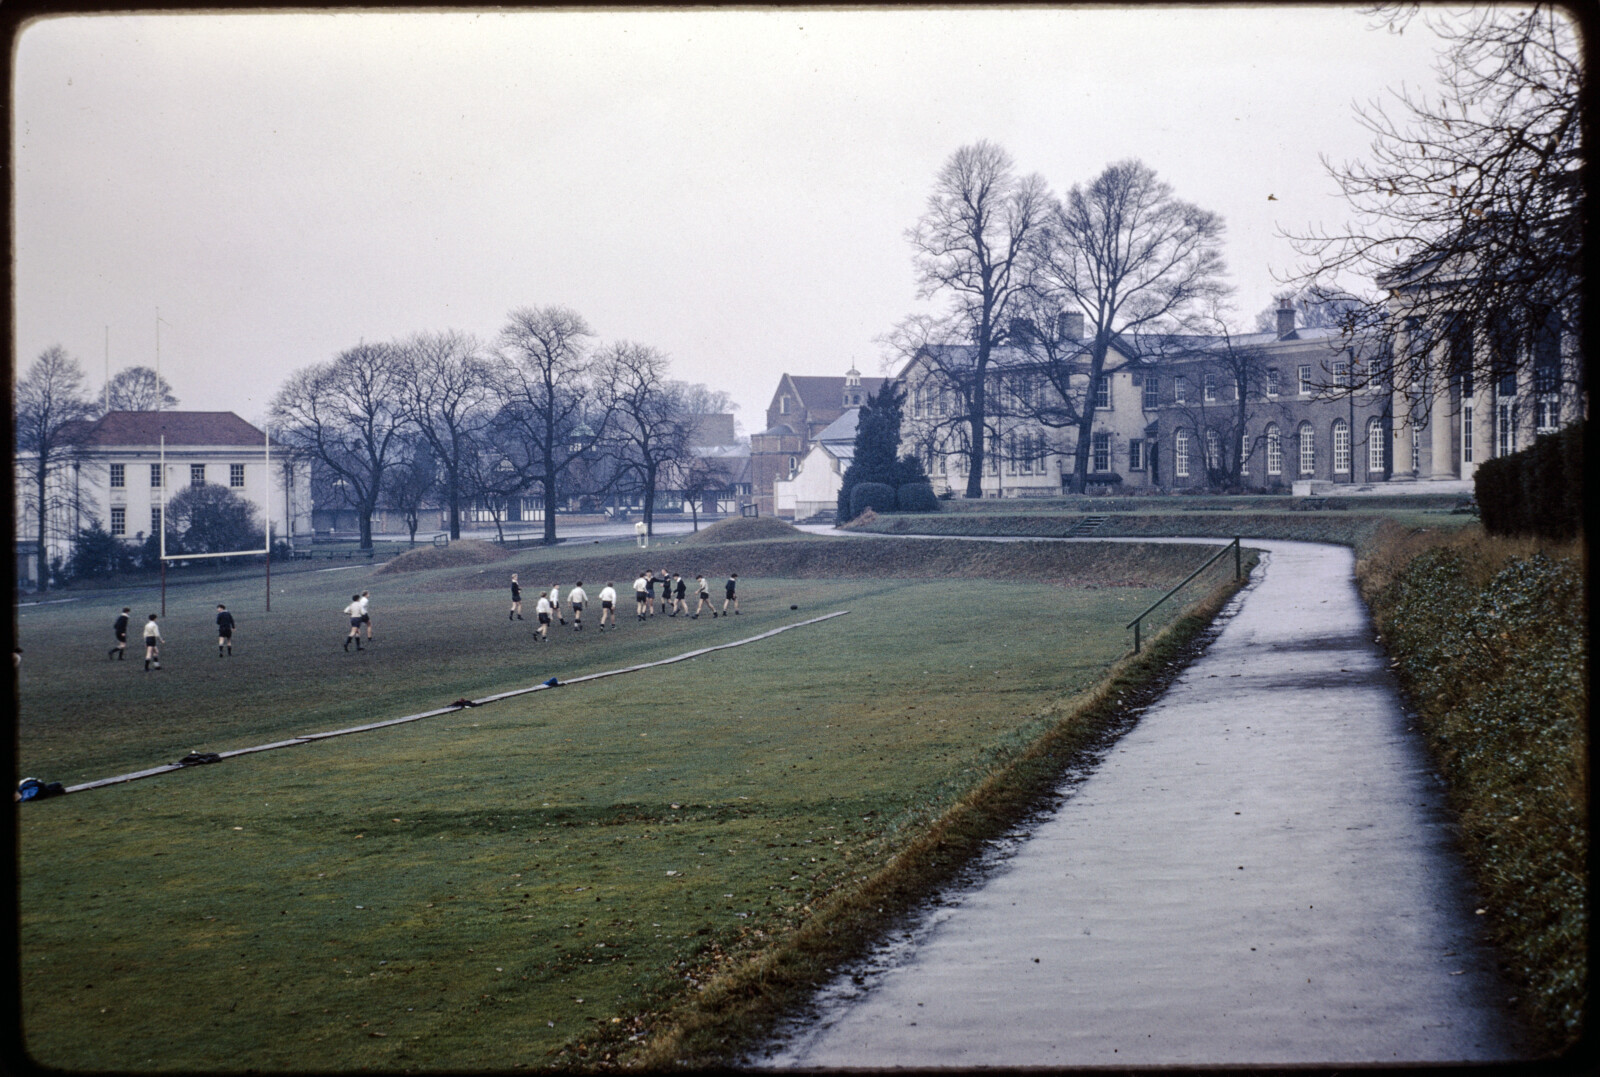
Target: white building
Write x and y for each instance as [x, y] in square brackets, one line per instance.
[814, 487]
[114, 477]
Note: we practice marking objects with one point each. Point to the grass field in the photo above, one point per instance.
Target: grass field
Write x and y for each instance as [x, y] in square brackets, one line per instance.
[490, 887]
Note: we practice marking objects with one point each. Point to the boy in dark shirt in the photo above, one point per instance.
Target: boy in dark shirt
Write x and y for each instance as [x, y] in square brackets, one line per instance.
[729, 593]
[679, 590]
[120, 651]
[224, 630]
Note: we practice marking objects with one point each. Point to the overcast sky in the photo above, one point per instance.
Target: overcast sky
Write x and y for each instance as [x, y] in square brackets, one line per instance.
[732, 187]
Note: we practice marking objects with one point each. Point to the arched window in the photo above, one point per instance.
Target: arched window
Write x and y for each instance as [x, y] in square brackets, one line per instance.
[1374, 445]
[1341, 446]
[1274, 450]
[1180, 454]
[1213, 450]
[1308, 449]
[1244, 453]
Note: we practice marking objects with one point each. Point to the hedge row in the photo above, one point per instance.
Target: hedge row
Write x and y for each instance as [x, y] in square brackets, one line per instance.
[1538, 491]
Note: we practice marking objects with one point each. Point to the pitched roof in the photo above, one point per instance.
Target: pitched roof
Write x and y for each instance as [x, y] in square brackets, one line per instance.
[179, 428]
[841, 429]
[827, 392]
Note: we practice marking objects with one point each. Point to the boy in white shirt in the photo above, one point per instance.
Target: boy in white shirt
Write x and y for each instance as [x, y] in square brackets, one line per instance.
[152, 643]
[608, 606]
[353, 611]
[543, 610]
[366, 618]
[555, 603]
[577, 597]
[705, 597]
[641, 595]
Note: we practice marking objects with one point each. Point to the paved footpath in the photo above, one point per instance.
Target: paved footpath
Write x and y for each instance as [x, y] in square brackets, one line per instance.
[1260, 872]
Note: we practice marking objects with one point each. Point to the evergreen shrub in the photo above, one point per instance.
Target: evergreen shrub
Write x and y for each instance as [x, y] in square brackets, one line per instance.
[917, 497]
[1538, 491]
[874, 495]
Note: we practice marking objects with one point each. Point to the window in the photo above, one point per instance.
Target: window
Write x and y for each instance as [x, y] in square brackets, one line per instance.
[119, 476]
[1011, 454]
[1180, 454]
[1341, 372]
[1152, 392]
[1102, 393]
[1466, 434]
[794, 465]
[155, 476]
[236, 476]
[197, 474]
[783, 405]
[991, 458]
[1374, 445]
[1308, 449]
[1180, 390]
[1467, 384]
[1504, 438]
[1244, 453]
[1507, 385]
[1303, 373]
[1547, 414]
[155, 520]
[1209, 387]
[119, 520]
[1028, 452]
[1272, 381]
[1213, 450]
[1135, 454]
[1341, 446]
[1274, 450]
[1101, 445]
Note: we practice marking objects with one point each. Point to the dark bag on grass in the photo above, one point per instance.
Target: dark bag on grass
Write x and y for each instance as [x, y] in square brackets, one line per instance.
[34, 789]
[196, 758]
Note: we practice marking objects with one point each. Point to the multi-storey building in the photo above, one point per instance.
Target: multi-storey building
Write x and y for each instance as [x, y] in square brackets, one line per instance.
[124, 466]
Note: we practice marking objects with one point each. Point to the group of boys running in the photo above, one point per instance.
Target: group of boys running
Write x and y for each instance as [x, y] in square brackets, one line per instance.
[674, 600]
[153, 639]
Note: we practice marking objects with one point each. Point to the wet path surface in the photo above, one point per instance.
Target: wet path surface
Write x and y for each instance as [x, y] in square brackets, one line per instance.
[1260, 872]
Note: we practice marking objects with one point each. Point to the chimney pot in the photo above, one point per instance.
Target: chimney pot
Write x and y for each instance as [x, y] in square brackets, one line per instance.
[1069, 325]
[1285, 317]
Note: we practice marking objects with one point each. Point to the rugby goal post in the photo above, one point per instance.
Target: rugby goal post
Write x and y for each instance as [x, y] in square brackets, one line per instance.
[266, 512]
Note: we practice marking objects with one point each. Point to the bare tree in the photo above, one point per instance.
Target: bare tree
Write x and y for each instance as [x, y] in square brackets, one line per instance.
[410, 481]
[449, 397]
[970, 246]
[349, 415]
[697, 476]
[1314, 308]
[546, 396]
[650, 432]
[1133, 260]
[138, 388]
[49, 410]
[1469, 211]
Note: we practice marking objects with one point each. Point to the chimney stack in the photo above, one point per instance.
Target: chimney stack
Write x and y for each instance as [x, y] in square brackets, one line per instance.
[1285, 318]
[1021, 331]
[1069, 325]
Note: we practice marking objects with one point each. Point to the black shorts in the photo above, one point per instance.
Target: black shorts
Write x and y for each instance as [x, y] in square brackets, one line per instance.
[577, 607]
[366, 618]
[544, 618]
[605, 605]
[122, 637]
[355, 622]
[224, 633]
[728, 594]
[640, 596]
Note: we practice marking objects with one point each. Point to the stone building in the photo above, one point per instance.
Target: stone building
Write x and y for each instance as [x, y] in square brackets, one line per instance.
[802, 407]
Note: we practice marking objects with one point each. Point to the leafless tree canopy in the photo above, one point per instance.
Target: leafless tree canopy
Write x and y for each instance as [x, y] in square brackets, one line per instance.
[48, 406]
[549, 404]
[971, 247]
[449, 399]
[651, 423]
[347, 414]
[138, 388]
[1469, 209]
[1134, 261]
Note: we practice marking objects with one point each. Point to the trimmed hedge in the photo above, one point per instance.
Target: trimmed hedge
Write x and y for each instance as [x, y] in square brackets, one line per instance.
[917, 497]
[877, 496]
[1538, 491]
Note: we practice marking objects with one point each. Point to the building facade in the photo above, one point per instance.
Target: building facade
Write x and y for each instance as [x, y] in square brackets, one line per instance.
[124, 467]
[814, 487]
[802, 407]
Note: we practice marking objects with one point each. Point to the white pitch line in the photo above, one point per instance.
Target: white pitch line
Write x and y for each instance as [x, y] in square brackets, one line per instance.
[540, 687]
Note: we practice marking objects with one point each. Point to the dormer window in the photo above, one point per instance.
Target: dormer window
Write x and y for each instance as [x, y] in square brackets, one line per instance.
[783, 405]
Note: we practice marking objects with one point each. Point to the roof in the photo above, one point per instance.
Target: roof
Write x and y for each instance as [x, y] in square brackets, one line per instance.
[827, 392]
[841, 429]
[179, 428]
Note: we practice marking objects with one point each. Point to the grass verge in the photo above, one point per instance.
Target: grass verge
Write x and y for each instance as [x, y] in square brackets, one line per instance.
[1490, 641]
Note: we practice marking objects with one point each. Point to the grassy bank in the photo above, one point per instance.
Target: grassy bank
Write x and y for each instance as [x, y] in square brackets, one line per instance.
[598, 870]
[1490, 640]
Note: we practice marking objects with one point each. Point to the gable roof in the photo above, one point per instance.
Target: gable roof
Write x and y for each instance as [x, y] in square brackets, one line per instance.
[179, 428]
[842, 429]
[827, 392]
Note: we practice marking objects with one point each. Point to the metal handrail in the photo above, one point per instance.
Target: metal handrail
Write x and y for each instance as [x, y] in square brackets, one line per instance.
[1238, 572]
